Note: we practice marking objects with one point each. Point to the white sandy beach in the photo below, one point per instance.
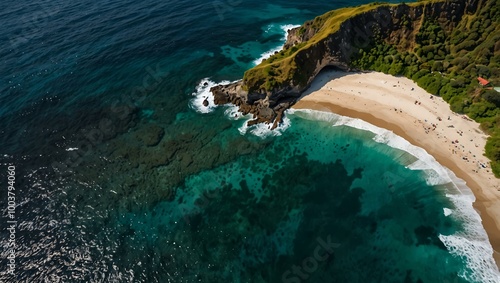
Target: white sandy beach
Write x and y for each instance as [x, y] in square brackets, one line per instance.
[398, 104]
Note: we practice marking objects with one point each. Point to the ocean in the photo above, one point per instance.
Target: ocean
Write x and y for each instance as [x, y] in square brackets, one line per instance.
[112, 170]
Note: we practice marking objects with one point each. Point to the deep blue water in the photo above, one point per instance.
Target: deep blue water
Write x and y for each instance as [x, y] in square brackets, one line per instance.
[120, 178]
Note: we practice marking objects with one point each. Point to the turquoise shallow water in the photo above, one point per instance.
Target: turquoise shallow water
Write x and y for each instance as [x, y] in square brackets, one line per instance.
[121, 176]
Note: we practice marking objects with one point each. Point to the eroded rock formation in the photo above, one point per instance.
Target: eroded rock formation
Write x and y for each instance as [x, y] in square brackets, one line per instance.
[330, 40]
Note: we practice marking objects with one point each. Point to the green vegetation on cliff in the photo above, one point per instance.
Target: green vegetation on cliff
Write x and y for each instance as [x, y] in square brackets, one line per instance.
[282, 69]
[287, 67]
[443, 45]
[447, 62]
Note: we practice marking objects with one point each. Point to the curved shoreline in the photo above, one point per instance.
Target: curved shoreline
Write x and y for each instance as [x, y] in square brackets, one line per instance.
[393, 103]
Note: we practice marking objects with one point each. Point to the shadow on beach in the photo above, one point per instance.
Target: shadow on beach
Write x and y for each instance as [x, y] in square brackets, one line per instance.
[325, 75]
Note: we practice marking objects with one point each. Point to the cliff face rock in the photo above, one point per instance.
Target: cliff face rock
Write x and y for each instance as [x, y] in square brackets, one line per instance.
[266, 108]
[331, 40]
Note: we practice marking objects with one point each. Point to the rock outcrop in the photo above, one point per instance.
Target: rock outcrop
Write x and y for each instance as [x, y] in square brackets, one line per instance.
[331, 40]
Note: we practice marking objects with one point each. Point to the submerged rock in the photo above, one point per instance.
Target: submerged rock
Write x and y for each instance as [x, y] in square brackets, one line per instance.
[150, 135]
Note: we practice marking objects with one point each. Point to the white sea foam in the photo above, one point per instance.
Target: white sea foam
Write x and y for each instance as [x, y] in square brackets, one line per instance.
[286, 28]
[261, 130]
[472, 243]
[232, 113]
[203, 92]
[267, 54]
[436, 174]
[264, 130]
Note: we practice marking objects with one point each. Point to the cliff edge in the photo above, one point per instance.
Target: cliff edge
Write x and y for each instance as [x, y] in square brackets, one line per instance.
[331, 39]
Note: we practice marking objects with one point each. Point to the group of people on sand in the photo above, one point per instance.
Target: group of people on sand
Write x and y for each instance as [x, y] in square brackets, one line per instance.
[460, 149]
[433, 127]
[457, 147]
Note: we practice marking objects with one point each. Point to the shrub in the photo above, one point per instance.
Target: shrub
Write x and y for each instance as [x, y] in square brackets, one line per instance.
[420, 74]
[492, 96]
[481, 109]
[457, 104]
[434, 87]
[447, 92]
[410, 71]
[460, 62]
[459, 81]
[483, 71]
[492, 151]
[466, 45]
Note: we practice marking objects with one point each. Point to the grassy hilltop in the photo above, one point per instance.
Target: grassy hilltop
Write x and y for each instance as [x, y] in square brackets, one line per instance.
[283, 68]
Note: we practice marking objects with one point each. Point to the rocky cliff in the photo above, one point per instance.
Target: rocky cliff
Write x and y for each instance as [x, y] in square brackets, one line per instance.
[332, 40]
